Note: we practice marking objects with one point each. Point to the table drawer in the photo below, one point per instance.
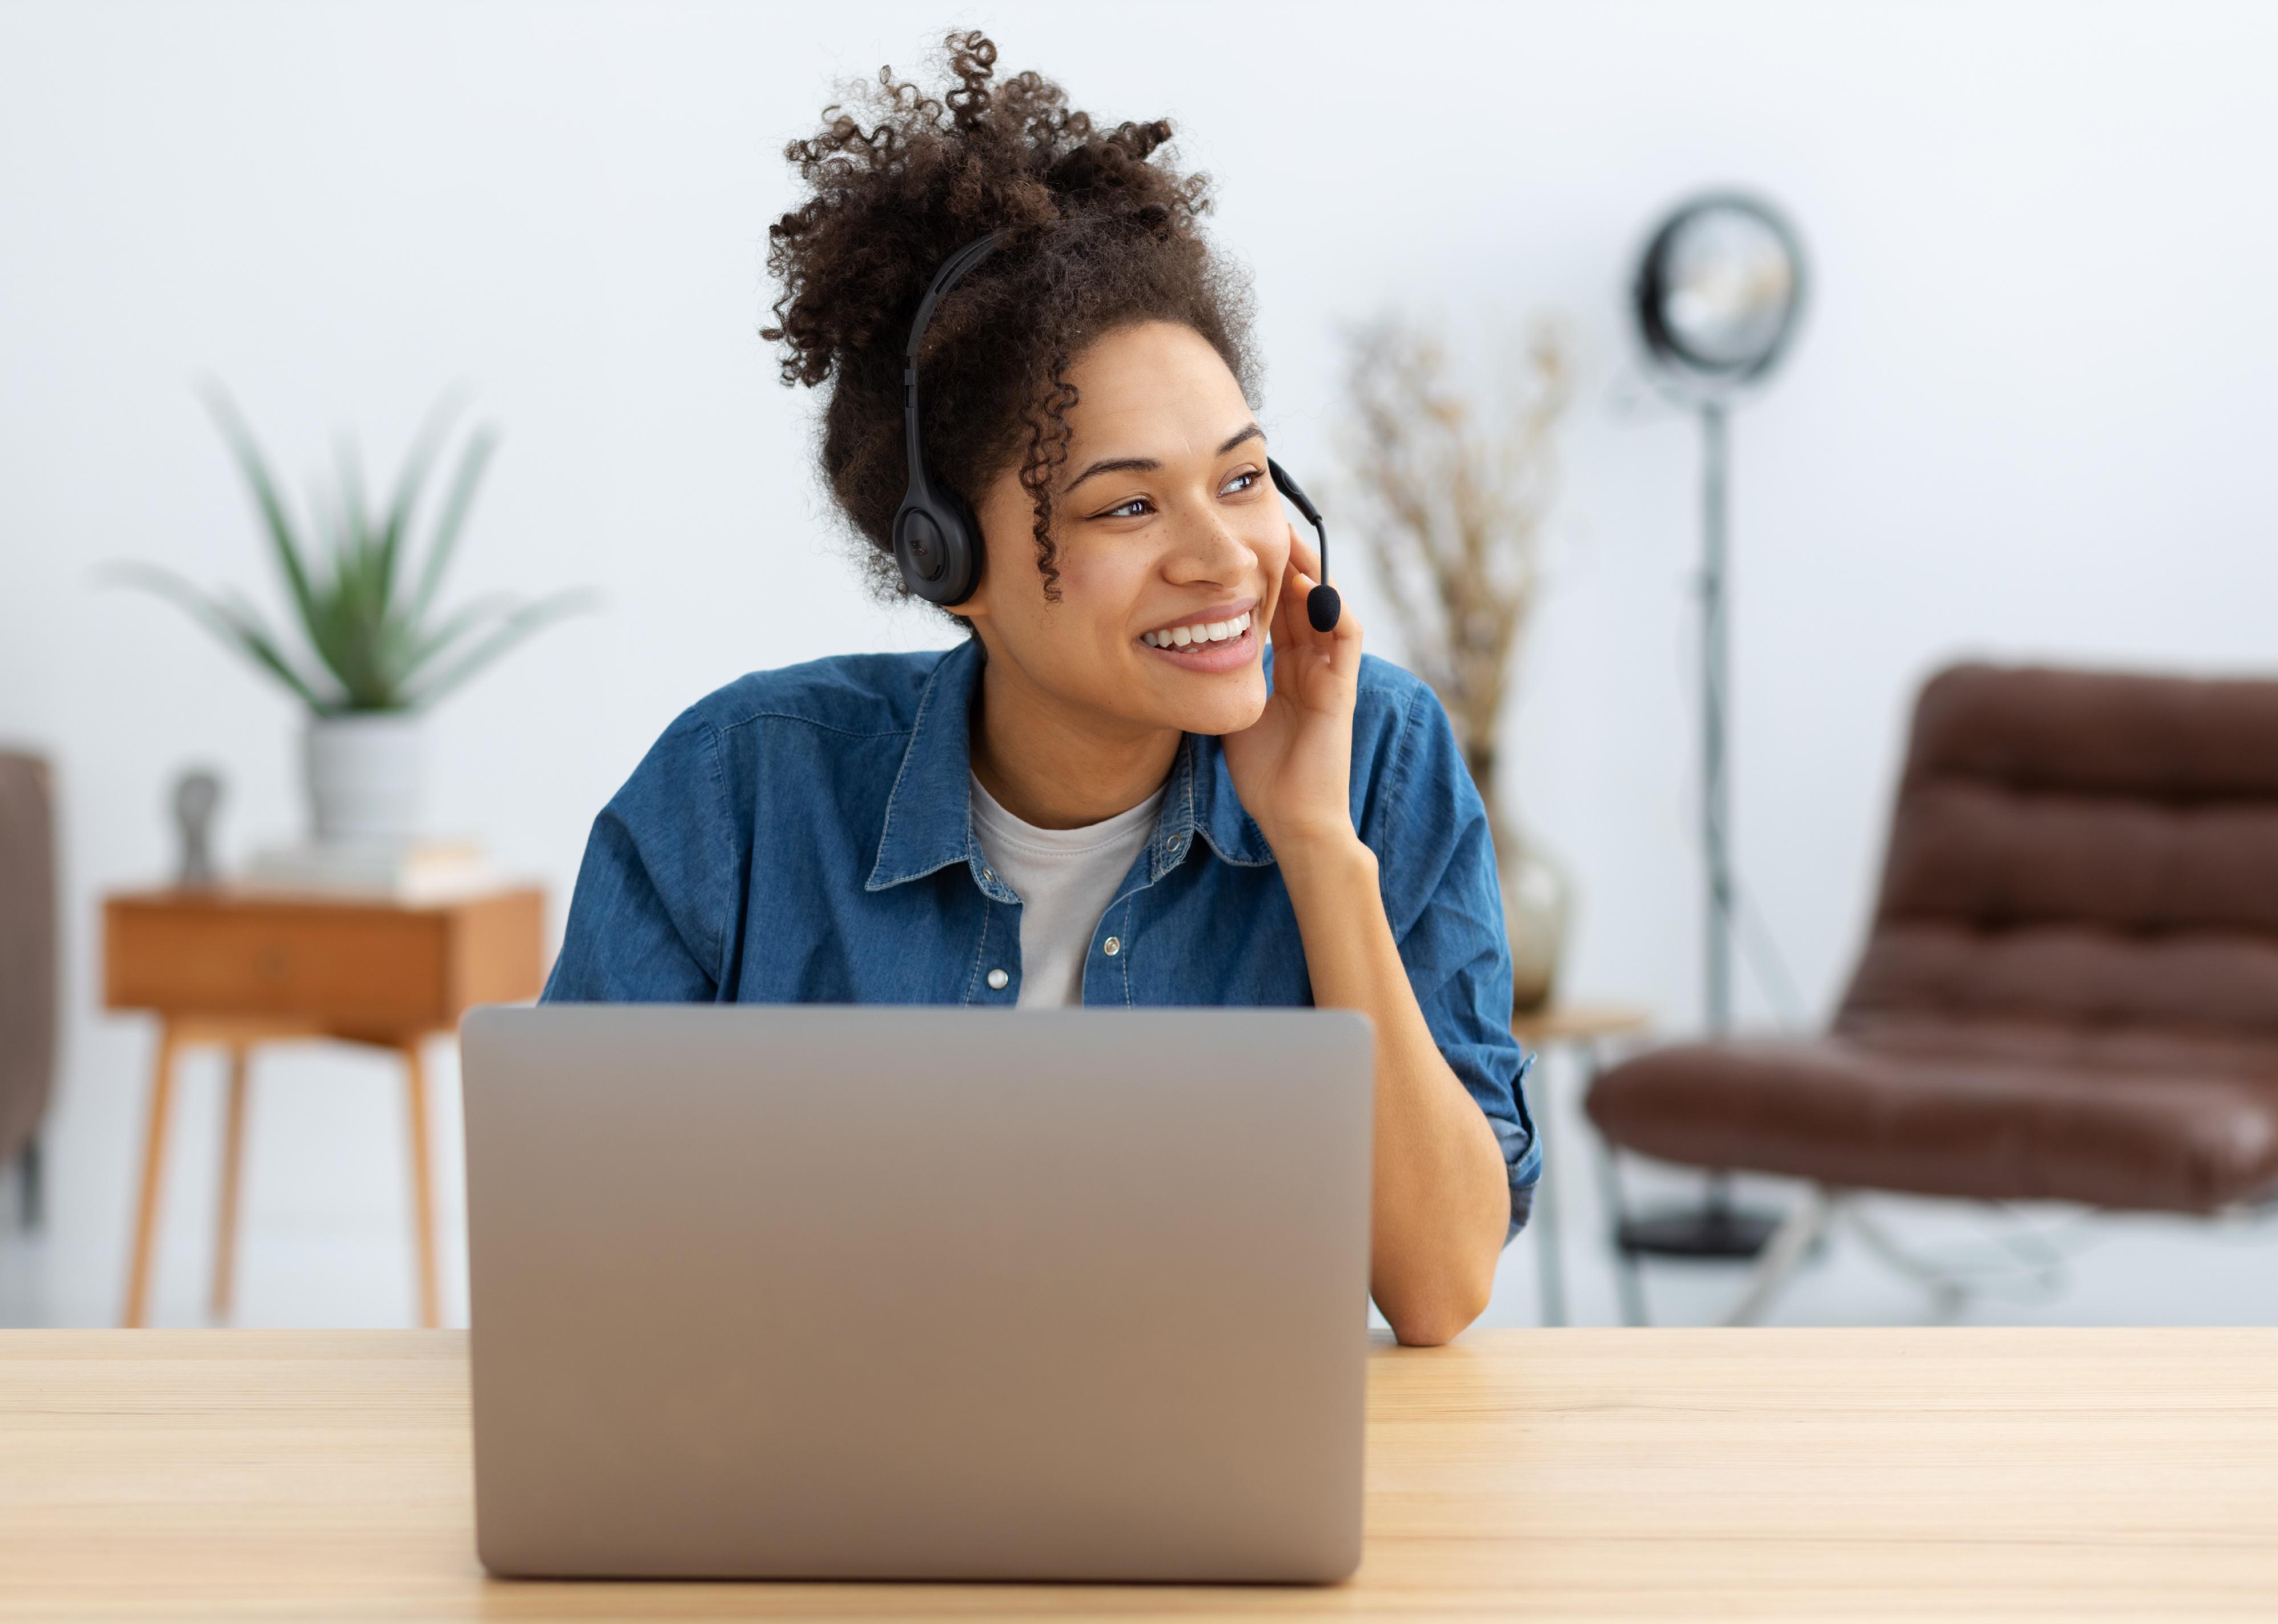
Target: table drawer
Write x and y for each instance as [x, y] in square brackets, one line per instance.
[388, 968]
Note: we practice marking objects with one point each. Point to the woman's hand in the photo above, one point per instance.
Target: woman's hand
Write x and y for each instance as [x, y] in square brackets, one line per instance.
[1293, 766]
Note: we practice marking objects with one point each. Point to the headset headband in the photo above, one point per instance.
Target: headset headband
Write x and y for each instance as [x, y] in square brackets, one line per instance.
[947, 278]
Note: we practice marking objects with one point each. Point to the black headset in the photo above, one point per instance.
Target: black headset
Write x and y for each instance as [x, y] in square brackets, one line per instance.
[937, 540]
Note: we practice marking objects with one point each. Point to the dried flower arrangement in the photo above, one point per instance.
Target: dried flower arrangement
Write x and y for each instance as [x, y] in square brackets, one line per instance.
[1453, 499]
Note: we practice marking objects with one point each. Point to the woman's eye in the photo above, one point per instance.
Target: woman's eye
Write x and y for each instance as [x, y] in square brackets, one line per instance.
[1131, 509]
[1239, 482]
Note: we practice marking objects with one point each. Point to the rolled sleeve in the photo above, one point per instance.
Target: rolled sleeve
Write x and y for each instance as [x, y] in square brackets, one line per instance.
[1437, 866]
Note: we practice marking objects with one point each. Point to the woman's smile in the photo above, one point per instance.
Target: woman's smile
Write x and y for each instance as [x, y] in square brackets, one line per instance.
[1208, 644]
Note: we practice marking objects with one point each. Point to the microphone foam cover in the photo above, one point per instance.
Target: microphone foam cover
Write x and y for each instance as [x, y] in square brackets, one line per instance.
[1323, 607]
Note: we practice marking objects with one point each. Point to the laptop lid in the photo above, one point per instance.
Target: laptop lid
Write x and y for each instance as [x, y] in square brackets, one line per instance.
[899, 1292]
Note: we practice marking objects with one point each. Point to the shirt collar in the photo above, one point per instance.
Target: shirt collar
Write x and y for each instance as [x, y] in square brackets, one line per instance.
[929, 811]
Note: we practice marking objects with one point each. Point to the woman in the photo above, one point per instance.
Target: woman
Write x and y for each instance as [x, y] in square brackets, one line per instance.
[1107, 795]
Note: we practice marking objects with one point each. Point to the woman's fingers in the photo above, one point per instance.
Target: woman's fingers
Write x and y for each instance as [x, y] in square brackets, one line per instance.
[1291, 627]
[1302, 576]
[1338, 649]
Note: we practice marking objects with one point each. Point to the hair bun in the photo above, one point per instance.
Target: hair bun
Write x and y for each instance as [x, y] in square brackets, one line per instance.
[899, 181]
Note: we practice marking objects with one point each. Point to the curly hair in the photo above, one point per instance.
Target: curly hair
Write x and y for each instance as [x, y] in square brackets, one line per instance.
[1096, 232]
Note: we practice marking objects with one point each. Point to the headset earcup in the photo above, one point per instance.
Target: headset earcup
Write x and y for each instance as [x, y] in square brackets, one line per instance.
[965, 552]
[936, 546]
[961, 545]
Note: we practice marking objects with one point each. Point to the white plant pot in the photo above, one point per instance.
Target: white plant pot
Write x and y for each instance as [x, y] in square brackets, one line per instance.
[1537, 902]
[366, 771]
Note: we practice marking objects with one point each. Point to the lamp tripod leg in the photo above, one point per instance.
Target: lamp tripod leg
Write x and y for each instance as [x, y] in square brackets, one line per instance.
[1784, 1253]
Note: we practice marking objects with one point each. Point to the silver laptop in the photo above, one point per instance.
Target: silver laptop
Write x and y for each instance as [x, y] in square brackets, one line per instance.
[832, 1291]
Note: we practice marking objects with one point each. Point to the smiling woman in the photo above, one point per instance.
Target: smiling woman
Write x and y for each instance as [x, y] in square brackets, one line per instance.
[1145, 778]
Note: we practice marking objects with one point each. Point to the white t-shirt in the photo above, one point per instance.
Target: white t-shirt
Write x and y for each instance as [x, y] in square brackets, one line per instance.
[1065, 879]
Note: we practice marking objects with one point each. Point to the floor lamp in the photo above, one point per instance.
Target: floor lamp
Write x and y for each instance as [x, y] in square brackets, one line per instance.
[1716, 298]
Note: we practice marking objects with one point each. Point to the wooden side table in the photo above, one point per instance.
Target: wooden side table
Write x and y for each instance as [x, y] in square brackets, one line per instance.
[1584, 1028]
[238, 968]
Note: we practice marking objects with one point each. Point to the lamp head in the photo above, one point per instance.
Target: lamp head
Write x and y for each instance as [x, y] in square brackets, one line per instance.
[1719, 291]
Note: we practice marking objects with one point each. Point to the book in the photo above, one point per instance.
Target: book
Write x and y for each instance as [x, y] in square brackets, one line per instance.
[415, 871]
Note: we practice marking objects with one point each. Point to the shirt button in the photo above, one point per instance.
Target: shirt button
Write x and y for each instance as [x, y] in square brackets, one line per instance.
[996, 979]
[1112, 947]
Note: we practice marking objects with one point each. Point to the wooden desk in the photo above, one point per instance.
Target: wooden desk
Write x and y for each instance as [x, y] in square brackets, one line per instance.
[237, 968]
[1537, 1474]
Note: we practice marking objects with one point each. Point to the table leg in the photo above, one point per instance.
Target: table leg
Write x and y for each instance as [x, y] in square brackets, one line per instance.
[31, 1198]
[1548, 1262]
[1627, 1283]
[154, 1162]
[232, 1171]
[422, 1186]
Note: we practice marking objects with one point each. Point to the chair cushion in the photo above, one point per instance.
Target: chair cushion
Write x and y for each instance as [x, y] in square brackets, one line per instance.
[2093, 847]
[2007, 1113]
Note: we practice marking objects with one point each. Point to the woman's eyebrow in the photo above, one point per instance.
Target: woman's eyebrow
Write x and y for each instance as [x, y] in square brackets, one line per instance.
[1148, 465]
[1116, 465]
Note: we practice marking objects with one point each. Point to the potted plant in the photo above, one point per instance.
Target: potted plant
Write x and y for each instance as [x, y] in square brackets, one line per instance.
[384, 648]
[1452, 500]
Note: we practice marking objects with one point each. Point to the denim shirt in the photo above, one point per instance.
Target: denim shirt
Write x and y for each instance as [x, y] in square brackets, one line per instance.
[805, 836]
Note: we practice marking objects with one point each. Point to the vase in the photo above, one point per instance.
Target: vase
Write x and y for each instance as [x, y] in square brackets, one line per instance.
[366, 770]
[1537, 903]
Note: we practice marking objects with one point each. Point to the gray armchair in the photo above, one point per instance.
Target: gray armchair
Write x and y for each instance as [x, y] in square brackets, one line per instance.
[27, 966]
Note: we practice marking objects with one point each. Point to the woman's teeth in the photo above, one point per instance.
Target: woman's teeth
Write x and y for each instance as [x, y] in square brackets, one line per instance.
[1206, 631]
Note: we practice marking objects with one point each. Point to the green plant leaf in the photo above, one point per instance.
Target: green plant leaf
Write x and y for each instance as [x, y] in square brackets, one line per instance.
[456, 625]
[355, 521]
[513, 629]
[331, 622]
[238, 624]
[412, 479]
[472, 460]
[246, 621]
[240, 437]
[351, 631]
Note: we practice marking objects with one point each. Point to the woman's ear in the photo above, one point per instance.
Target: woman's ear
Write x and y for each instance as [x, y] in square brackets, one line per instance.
[978, 606]
[1007, 514]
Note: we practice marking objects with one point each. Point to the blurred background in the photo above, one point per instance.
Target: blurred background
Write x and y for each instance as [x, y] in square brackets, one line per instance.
[2020, 420]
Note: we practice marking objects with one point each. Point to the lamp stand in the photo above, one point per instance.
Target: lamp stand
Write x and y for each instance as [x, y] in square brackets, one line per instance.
[1715, 1229]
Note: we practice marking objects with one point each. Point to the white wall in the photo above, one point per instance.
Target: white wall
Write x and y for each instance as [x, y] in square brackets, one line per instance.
[2030, 415]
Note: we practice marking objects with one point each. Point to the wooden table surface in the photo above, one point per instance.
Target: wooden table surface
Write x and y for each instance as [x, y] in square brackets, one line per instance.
[1545, 1474]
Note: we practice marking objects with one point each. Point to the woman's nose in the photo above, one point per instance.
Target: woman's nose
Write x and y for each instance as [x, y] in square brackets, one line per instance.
[1209, 549]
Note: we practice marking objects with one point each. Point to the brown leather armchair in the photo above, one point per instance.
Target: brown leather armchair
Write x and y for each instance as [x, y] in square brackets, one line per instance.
[28, 965]
[2069, 991]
